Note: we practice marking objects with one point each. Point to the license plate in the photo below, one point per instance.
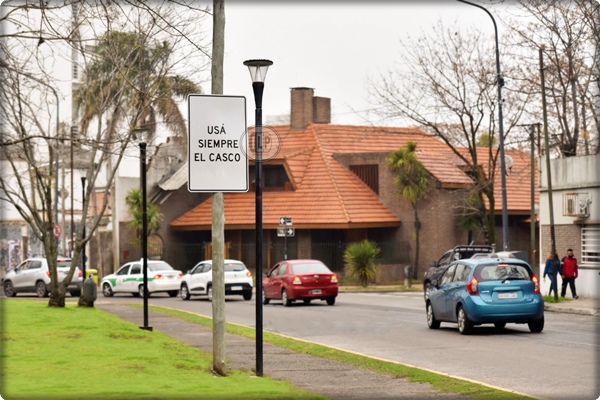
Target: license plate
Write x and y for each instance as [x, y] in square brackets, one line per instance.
[509, 295]
[236, 288]
[316, 291]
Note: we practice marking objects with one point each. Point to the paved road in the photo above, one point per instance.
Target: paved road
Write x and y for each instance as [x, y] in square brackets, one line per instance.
[560, 363]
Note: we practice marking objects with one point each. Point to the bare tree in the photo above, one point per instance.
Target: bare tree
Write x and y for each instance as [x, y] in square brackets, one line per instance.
[133, 88]
[568, 32]
[447, 84]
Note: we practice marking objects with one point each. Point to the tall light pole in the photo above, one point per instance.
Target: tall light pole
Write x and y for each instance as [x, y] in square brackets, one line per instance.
[500, 82]
[83, 222]
[144, 233]
[258, 72]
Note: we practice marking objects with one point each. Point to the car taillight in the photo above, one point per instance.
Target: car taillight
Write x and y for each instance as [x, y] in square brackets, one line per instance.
[180, 275]
[472, 287]
[48, 273]
[536, 283]
[158, 276]
[249, 274]
[80, 273]
[297, 281]
[334, 278]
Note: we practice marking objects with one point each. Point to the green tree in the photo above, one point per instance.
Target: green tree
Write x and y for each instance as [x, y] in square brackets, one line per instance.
[358, 261]
[412, 182]
[134, 205]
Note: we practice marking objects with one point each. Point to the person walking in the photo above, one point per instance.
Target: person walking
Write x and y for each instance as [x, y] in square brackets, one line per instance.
[569, 274]
[549, 271]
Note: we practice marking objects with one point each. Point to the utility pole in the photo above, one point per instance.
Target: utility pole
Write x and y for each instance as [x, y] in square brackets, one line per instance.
[218, 208]
[549, 177]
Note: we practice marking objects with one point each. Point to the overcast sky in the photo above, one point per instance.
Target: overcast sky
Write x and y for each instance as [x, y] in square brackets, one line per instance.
[333, 47]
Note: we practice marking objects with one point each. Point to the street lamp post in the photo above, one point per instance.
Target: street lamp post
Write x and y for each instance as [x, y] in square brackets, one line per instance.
[144, 233]
[83, 222]
[258, 71]
[500, 82]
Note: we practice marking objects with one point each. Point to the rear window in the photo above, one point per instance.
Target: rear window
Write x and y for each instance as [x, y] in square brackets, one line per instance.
[502, 271]
[310, 268]
[234, 267]
[158, 266]
[63, 263]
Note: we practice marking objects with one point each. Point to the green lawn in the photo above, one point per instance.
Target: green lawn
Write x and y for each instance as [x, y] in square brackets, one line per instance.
[73, 353]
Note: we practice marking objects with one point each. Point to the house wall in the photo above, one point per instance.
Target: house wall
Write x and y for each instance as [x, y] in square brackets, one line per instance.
[571, 175]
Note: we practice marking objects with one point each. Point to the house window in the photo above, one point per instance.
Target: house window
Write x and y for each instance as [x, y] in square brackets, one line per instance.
[369, 174]
[274, 177]
[590, 245]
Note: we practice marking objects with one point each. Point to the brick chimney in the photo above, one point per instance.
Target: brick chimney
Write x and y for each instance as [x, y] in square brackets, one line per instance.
[307, 109]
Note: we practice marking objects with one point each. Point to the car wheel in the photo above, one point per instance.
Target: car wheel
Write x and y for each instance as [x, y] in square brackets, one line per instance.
[432, 323]
[306, 301]
[330, 301]
[264, 298]
[141, 291]
[247, 295]
[499, 325]
[426, 290]
[209, 295]
[107, 290]
[9, 290]
[465, 326]
[284, 298]
[536, 326]
[184, 292]
[40, 289]
[173, 293]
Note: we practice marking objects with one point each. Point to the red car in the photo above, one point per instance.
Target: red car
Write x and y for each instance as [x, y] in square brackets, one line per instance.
[304, 280]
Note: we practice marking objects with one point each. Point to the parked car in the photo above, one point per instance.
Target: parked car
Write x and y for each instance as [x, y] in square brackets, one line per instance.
[304, 280]
[482, 291]
[130, 279]
[198, 281]
[457, 253]
[521, 255]
[33, 276]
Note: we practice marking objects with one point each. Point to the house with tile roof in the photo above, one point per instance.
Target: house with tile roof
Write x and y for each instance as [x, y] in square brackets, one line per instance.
[334, 183]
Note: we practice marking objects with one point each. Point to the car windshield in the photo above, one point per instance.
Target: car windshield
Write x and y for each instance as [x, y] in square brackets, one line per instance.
[234, 267]
[310, 268]
[491, 272]
[158, 266]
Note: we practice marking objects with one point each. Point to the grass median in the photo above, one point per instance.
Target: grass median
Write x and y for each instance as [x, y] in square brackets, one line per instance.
[75, 352]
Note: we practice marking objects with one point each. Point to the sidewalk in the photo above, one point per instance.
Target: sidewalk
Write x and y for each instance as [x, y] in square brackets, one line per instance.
[332, 379]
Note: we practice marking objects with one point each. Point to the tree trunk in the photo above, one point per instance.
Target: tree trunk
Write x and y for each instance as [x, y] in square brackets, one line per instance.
[415, 273]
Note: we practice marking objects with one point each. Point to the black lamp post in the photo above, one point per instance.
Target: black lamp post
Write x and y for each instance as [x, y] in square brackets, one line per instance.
[258, 71]
[83, 221]
[500, 82]
[144, 233]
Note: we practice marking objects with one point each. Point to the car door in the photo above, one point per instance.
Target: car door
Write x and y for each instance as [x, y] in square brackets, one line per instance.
[134, 278]
[200, 277]
[120, 281]
[270, 281]
[454, 289]
[439, 295]
[21, 274]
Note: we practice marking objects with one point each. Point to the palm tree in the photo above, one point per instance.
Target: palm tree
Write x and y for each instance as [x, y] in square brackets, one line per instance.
[358, 261]
[134, 205]
[412, 182]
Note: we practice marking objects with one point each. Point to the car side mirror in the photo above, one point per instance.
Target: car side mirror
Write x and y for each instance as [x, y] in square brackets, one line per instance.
[433, 264]
[434, 283]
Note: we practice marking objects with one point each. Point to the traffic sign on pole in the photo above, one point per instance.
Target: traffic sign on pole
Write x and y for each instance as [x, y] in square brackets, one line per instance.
[217, 144]
[285, 232]
[285, 221]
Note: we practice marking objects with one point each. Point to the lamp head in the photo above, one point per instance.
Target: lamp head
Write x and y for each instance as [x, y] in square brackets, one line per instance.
[258, 69]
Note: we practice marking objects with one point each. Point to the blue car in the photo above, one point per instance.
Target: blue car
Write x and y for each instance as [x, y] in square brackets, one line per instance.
[495, 291]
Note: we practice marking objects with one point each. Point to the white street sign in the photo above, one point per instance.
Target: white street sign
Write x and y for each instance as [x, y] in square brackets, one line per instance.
[285, 232]
[217, 143]
[285, 221]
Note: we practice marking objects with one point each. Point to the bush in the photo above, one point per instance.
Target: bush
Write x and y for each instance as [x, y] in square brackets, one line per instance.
[358, 261]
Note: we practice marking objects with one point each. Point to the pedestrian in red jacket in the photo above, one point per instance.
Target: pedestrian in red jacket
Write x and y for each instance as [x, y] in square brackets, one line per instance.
[569, 274]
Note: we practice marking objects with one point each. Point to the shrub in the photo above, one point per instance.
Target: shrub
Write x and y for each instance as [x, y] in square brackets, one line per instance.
[358, 260]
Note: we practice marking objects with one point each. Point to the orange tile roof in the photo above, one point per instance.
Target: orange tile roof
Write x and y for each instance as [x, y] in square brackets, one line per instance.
[326, 195]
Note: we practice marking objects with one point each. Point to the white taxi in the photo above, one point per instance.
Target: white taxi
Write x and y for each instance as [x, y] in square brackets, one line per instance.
[130, 279]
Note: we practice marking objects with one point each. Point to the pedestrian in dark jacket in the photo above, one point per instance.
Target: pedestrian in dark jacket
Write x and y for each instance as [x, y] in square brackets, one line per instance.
[569, 274]
[549, 271]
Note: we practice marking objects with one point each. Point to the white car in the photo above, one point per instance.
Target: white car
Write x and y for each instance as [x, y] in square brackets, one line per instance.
[198, 281]
[33, 276]
[130, 279]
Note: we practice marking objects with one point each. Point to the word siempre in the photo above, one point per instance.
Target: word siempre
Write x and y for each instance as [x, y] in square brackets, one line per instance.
[227, 145]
